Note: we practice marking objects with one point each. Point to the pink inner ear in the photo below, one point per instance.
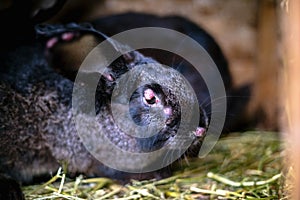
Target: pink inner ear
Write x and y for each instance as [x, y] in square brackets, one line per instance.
[200, 132]
[148, 94]
[51, 42]
[67, 36]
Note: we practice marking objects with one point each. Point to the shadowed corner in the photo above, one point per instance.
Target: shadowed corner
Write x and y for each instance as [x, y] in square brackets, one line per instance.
[10, 189]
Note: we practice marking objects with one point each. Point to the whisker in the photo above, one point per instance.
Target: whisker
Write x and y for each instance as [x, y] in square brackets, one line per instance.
[205, 104]
[186, 159]
[173, 59]
[178, 65]
[205, 101]
[238, 96]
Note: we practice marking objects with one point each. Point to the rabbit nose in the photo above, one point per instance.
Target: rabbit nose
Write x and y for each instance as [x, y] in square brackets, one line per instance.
[200, 132]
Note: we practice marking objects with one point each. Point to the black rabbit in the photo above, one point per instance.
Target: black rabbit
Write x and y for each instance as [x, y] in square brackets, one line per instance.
[37, 132]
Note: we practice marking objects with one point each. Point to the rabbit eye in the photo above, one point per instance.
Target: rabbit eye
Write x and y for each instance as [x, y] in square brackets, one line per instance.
[150, 98]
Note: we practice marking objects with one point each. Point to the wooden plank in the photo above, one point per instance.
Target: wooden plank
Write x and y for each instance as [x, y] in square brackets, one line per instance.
[291, 58]
[264, 103]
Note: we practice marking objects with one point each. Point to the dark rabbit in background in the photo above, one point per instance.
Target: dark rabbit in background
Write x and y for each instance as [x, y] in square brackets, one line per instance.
[37, 134]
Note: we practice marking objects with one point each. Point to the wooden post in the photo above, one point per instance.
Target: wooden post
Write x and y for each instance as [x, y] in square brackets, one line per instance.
[264, 103]
[291, 58]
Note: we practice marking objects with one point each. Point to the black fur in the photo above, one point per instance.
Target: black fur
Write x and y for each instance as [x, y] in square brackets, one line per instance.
[37, 134]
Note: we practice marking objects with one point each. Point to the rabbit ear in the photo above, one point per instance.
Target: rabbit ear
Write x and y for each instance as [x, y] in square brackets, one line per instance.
[68, 45]
[46, 31]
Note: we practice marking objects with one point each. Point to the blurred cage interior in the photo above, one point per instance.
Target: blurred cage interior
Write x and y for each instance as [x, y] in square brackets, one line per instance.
[258, 38]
